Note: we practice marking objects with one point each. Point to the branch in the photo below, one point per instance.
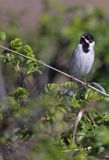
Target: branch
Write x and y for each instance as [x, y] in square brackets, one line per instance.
[48, 66]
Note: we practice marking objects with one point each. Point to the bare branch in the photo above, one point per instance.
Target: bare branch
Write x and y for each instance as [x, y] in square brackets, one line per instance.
[48, 66]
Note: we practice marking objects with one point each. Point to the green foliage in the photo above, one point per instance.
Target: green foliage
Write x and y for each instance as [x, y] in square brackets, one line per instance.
[47, 122]
[16, 44]
[29, 51]
[22, 64]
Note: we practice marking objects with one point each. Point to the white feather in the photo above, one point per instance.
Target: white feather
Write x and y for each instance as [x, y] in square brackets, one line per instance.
[82, 62]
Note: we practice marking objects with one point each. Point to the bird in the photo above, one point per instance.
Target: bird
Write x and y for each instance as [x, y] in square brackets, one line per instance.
[83, 56]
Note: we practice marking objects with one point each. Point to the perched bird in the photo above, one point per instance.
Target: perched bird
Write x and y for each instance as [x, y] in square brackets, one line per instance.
[83, 57]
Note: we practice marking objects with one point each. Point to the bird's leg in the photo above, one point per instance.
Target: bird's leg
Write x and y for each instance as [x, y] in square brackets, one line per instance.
[72, 78]
[86, 83]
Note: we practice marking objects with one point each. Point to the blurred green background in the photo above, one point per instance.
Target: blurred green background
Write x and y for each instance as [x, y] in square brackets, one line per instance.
[52, 29]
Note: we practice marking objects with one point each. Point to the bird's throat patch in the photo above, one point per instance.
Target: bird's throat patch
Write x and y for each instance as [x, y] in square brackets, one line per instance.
[85, 47]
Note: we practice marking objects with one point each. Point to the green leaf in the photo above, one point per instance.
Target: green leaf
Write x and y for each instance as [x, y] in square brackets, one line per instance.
[28, 50]
[2, 36]
[31, 67]
[8, 58]
[51, 88]
[75, 102]
[16, 44]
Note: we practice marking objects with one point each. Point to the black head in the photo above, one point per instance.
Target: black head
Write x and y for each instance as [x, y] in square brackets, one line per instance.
[85, 40]
[88, 37]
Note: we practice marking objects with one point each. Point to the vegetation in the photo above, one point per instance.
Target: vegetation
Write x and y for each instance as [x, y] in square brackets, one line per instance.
[40, 107]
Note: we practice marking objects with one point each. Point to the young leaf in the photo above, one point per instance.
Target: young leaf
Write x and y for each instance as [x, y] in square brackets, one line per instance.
[16, 44]
[28, 50]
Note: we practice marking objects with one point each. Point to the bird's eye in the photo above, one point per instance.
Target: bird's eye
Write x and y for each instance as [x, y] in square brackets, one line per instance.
[89, 38]
[82, 40]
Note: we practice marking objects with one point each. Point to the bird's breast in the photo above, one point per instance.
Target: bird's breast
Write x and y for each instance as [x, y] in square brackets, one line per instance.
[82, 62]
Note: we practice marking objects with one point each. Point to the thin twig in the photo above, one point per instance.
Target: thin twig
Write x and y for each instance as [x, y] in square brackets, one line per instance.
[78, 119]
[57, 70]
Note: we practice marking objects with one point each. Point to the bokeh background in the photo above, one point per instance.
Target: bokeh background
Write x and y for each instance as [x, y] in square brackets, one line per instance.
[31, 10]
[52, 28]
